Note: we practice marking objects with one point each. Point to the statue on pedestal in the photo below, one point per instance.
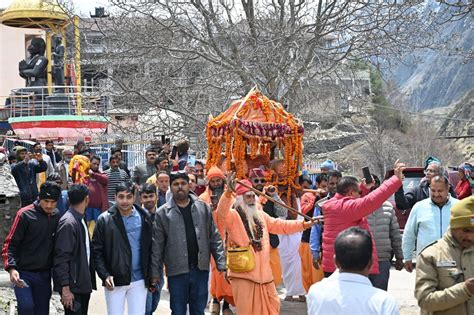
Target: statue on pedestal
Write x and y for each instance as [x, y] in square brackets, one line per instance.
[33, 70]
[58, 63]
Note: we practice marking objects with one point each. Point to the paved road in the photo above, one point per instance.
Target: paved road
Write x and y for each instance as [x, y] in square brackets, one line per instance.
[401, 286]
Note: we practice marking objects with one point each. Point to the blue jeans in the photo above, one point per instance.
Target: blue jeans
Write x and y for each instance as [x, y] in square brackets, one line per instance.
[152, 299]
[381, 280]
[188, 288]
[35, 298]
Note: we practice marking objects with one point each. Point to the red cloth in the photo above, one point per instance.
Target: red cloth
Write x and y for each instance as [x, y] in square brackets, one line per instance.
[463, 189]
[200, 189]
[256, 173]
[98, 197]
[341, 212]
[240, 189]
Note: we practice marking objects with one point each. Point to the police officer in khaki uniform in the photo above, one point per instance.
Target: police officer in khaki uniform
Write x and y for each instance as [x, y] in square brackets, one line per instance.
[445, 268]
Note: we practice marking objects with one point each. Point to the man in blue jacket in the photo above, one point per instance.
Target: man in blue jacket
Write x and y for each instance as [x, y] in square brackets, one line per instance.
[428, 220]
[24, 171]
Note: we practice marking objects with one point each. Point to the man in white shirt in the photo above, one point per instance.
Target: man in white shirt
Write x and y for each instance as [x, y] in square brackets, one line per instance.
[349, 290]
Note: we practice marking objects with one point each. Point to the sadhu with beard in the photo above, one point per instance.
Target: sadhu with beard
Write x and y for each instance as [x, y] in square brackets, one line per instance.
[258, 178]
[254, 291]
[220, 288]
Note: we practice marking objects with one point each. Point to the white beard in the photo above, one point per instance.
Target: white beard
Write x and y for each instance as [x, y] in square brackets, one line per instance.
[250, 211]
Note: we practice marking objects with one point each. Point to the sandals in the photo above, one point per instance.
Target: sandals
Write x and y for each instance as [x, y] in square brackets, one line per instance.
[289, 298]
[215, 308]
[300, 298]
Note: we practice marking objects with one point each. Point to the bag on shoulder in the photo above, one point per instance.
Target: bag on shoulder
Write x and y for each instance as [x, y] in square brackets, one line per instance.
[240, 258]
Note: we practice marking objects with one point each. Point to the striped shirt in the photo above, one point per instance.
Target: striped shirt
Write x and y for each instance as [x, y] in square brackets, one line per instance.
[115, 176]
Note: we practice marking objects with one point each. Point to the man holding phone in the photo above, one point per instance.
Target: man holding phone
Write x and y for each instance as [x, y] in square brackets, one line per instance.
[348, 208]
[28, 251]
[24, 171]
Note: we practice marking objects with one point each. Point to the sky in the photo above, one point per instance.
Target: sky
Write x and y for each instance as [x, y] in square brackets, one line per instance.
[84, 7]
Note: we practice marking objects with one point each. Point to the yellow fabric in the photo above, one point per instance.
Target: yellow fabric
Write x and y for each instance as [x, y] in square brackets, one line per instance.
[309, 274]
[254, 298]
[275, 265]
[41, 178]
[240, 258]
[90, 227]
[80, 164]
[151, 180]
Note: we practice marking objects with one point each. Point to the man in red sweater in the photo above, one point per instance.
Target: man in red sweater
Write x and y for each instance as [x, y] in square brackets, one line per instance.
[347, 208]
[98, 201]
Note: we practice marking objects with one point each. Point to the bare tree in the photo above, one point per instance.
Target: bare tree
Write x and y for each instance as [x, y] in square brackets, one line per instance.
[193, 57]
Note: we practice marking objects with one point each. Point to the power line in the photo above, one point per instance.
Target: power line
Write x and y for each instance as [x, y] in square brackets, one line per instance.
[455, 137]
[426, 115]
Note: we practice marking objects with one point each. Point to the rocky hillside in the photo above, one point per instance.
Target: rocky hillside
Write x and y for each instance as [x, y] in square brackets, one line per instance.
[462, 110]
[437, 78]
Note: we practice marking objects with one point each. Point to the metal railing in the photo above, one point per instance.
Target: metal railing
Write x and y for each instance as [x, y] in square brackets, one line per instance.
[64, 100]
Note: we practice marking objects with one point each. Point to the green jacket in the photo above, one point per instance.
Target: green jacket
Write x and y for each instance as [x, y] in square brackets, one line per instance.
[441, 269]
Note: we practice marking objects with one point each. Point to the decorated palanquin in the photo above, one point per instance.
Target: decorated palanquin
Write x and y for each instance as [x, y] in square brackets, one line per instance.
[253, 132]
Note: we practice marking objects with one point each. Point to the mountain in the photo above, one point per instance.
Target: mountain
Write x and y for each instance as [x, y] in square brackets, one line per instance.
[437, 78]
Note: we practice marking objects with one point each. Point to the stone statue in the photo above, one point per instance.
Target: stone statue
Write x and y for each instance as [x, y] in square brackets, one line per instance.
[58, 63]
[33, 70]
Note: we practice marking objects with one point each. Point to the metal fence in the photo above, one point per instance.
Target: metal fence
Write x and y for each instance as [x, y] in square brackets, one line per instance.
[65, 100]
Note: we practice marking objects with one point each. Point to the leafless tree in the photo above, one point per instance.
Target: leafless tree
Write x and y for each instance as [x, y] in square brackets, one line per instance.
[421, 140]
[193, 57]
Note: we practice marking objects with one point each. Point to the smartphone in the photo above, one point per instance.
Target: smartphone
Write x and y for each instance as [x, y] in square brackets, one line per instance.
[167, 140]
[191, 160]
[173, 151]
[163, 139]
[367, 175]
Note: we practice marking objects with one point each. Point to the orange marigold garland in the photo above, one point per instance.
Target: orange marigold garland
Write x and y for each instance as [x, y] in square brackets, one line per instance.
[253, 126]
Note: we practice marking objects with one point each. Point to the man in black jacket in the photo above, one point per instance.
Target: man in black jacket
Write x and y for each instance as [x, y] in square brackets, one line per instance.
[52, 153]
[73, 272]
[121, 245]
[28, 251]
[25, 171]
[149, 200]
[406, 200]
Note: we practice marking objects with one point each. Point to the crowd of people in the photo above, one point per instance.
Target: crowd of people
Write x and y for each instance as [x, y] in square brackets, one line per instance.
[216, 240]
